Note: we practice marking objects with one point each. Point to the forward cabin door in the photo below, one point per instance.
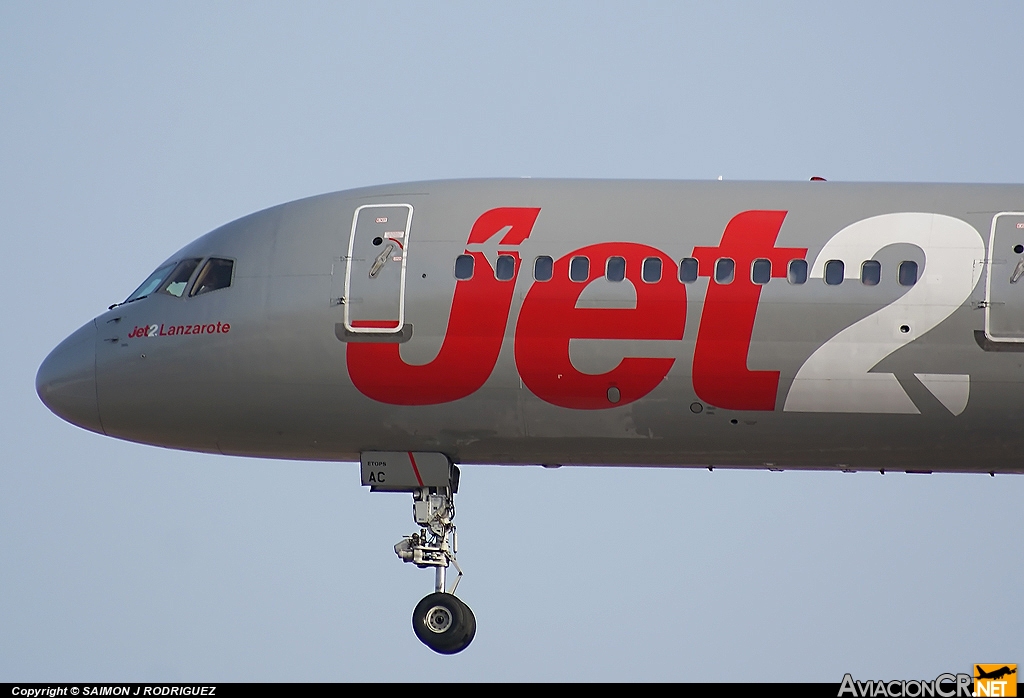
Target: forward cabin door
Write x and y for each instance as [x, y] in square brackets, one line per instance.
[1004, 291]
[375, 268]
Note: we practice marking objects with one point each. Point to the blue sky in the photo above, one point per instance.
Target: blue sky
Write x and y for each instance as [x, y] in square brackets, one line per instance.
[129, 129]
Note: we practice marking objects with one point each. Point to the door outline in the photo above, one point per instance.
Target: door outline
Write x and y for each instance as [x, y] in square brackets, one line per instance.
[401, 288]
[988, 280]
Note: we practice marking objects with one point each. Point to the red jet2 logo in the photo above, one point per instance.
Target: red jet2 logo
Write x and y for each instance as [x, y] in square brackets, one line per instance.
[549, 319]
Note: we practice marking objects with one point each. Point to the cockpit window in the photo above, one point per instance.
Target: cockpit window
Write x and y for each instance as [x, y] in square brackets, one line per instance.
[215, 275]
[152, 283]
[178, 279]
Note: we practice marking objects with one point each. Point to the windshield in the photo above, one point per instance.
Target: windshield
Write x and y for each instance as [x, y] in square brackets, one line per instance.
[152, 283]
[216, 274]
[178, 280]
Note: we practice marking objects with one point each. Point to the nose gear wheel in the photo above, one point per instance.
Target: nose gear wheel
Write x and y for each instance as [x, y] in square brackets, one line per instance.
[444, 623]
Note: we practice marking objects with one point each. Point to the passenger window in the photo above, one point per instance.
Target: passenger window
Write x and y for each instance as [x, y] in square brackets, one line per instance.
[615, 270]
[797, 273]
[151, 284]
[871, 272]
[579, 268]
[464, 267]
[725, 270]
[834, 270]
[650, 272]
[215, 275]
[178, 280]
[761, 271]
[505, 269]
[688, 270]
[908, 273]
[542, 268]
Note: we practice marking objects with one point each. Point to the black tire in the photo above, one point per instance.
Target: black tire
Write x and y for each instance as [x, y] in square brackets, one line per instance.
[470, 625]
[470, 629]
[443, 624]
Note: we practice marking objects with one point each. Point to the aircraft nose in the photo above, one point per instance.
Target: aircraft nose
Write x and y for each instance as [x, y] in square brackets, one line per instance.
[66, 380]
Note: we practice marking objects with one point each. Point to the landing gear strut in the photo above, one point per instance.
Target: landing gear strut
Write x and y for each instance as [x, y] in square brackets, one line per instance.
[441, 621]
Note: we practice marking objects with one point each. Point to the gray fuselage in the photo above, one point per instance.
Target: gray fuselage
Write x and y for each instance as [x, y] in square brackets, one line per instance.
[343, 329]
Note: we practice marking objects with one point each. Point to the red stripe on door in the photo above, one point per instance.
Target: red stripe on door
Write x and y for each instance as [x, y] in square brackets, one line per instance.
[412, 459]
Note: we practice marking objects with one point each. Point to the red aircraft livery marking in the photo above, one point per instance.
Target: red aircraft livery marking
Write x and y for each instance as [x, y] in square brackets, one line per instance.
[549, 319]
[720, 373]
[476, 327]
[160, 330]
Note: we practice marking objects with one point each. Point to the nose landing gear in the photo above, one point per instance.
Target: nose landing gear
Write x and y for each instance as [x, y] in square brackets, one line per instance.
[441, 620]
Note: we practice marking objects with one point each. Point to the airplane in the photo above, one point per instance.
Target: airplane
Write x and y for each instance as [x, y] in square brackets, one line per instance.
[995, 674]
[415, 327]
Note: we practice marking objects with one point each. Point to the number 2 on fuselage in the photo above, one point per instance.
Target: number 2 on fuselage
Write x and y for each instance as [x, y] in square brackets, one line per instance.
[836, 377]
